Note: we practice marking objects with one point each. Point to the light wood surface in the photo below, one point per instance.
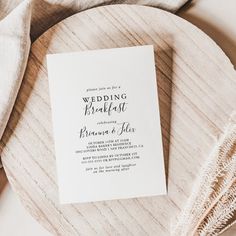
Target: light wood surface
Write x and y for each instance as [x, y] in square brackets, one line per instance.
[196, 84]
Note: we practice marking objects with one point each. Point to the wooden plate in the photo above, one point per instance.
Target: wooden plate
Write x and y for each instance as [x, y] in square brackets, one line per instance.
[197, 93]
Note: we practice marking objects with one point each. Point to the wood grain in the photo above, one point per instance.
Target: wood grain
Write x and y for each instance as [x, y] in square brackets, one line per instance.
[196, 84]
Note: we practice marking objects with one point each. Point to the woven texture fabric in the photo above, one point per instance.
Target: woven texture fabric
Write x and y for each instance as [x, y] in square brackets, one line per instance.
[211, 207]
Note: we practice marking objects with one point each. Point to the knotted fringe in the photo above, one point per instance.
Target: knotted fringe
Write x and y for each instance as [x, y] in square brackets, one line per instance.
[212, 203]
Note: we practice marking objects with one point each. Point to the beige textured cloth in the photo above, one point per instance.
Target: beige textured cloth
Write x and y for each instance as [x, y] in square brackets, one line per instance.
[14, 49]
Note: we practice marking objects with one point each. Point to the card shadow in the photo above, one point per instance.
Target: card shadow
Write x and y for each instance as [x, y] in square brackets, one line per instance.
[164, 70]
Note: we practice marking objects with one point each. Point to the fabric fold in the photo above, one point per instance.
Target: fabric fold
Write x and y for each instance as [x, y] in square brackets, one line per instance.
[14, 51]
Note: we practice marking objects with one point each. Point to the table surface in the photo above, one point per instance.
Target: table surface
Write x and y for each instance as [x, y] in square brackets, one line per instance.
[194, 77]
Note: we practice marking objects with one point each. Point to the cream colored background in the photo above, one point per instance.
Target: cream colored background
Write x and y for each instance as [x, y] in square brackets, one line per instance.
[215, 17]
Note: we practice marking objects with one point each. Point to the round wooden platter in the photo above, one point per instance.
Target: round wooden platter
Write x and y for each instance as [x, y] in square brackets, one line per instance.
[197, 94]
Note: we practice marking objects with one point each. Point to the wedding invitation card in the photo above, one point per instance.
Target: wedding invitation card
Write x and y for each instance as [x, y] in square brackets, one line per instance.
[106, 124]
